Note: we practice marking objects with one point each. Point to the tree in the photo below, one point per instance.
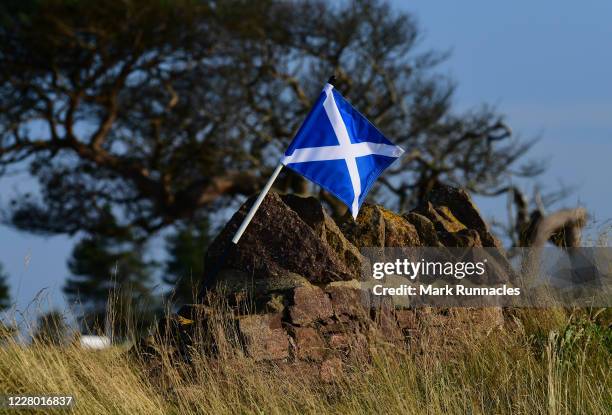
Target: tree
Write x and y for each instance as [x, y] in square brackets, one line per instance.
[143, 113]
[138, 115]
[5, 294]
[185, 264]
[6, 330]
[111, 282]
[536, 227]
[51, 328]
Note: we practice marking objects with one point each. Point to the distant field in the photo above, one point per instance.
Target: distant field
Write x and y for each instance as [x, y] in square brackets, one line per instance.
[549, 361]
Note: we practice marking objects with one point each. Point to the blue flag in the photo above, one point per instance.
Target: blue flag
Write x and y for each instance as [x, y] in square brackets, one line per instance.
[340, 150]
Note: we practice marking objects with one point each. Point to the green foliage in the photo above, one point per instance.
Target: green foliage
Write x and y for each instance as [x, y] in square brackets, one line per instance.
[5, 294]
[573, 335]
[185, 264]
[585, 333]
[51, 328]
[111, 282]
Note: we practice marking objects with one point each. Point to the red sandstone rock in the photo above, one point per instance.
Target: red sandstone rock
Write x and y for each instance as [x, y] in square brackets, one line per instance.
[378, 227]
[387, 324]
[346, 301]
[331, 369]
[309, 344]
[264, 337]
[340, 341]
[310, 304]
[276, 243]
[298, 266]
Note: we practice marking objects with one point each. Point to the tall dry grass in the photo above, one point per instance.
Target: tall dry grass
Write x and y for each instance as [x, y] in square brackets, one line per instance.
[545, 362]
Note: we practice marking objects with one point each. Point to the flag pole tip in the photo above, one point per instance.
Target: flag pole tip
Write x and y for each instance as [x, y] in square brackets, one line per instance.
[332, 80]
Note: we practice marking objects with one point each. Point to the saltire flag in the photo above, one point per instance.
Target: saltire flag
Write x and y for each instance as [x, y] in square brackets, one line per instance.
[340, 150]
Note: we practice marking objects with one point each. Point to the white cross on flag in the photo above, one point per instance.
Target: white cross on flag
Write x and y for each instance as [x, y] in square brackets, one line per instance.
[340, 150]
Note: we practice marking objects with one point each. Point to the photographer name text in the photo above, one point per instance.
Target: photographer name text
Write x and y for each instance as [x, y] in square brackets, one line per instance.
[413, 270]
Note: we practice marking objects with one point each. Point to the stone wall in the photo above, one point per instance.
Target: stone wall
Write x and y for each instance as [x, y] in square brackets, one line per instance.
[292, 282]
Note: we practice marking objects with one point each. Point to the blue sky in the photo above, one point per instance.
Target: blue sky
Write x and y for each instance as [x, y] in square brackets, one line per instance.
[546, 65]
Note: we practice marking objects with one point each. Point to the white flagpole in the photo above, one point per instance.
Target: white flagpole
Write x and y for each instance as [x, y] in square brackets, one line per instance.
[260, 198]
[263, 193]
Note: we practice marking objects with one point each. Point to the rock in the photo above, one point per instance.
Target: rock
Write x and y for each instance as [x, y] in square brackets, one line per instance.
[232, 281]
[340, 341]
[458, 224]
[340, 326]
[300, 272]
[425, 228]
[275, 304]
[449, 231]
[442, 218]
[310, 303]
[276, 243]
[386, 323]
[309, 344]
[368, 230]
[314, 215]
[464, 238]
[331, 369]
[354, 344]
[459, 203]
[347, 301]
[378, 227]
[264, 337]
